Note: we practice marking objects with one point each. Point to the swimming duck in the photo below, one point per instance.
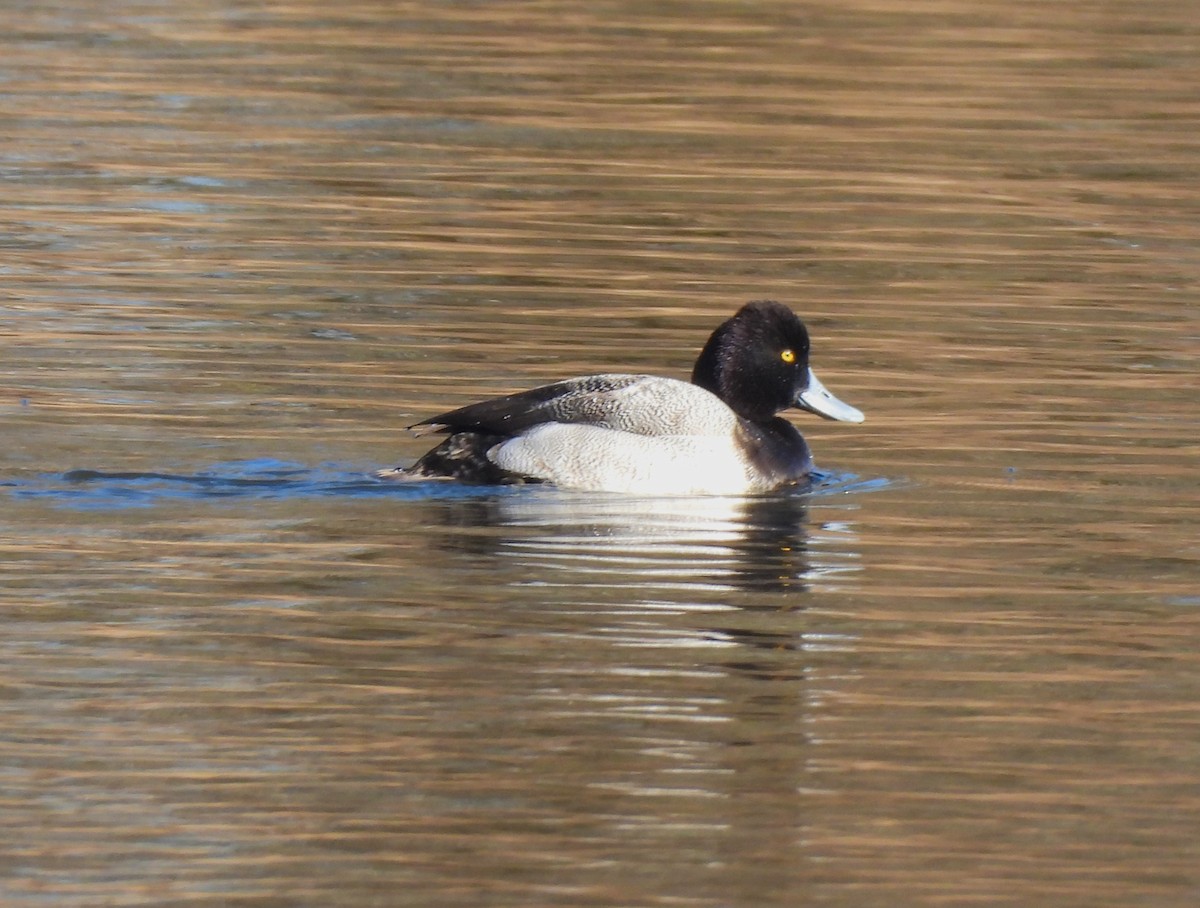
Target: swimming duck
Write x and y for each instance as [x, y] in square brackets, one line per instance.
[720, 434]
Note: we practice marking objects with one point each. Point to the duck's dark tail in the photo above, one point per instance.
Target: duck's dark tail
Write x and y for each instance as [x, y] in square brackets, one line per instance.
[462, 457]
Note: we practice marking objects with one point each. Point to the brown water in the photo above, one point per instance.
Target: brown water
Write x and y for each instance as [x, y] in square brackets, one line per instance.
[245, 244]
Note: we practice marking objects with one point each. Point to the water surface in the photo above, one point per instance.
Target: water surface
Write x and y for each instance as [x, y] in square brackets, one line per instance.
[246, 244]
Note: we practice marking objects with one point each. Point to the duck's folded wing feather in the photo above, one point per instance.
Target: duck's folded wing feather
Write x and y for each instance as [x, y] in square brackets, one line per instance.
[641, 404]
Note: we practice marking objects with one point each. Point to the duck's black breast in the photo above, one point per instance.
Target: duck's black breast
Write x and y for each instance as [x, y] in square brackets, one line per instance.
[776, 451]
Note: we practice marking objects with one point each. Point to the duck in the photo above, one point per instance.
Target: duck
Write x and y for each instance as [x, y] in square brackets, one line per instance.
[718, 434]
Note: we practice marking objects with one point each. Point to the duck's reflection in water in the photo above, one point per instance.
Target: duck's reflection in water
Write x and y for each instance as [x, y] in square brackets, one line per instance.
[760, 544]
[663, 656]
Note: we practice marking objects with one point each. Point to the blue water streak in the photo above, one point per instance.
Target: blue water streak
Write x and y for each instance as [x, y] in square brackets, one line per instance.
[269, 479]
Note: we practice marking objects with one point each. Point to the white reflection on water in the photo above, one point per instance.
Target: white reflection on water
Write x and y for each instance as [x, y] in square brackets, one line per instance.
[699, 543]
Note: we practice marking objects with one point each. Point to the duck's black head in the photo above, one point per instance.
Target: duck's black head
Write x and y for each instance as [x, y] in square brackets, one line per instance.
[757, 362]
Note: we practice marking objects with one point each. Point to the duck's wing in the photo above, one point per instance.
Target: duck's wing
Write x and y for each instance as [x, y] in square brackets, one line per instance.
[641, 404]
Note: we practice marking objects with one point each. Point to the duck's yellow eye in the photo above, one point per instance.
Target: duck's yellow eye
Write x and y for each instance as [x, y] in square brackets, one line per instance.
[788, 356]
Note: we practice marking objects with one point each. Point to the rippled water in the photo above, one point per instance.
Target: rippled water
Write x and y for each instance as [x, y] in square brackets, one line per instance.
[243, 245]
